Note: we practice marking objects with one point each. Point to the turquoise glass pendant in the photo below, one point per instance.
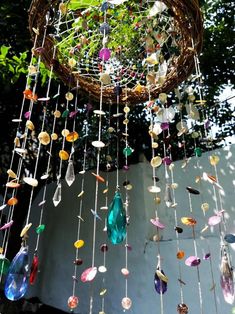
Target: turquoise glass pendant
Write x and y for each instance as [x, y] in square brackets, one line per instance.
[116, 220]
[16, 283]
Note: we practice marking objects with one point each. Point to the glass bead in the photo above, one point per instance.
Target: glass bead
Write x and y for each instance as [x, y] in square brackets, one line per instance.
[73, 302]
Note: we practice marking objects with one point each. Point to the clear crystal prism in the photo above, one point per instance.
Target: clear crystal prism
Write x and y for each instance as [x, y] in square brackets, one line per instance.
[57, 195]
[70, 176]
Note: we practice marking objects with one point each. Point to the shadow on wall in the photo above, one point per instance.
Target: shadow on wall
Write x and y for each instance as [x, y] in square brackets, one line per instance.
[26, 306]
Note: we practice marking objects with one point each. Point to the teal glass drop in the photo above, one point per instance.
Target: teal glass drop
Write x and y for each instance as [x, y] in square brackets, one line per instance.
[16, 282]
[116, 220]
[198, 151]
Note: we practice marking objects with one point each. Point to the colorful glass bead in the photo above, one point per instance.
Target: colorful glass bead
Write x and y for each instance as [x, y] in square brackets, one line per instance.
[126, 303]
[73, 302]
[116, 220]
[16, 283]
[34, 270]
[104, 54]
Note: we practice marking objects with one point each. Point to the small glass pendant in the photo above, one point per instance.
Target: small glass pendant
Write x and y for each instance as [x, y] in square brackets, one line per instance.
[57, 195]
[34, 270]
[116, 220]
[159, 283]
[70, 176]
[4, 265]
[226, 279]
[167, 196]
[16, 283]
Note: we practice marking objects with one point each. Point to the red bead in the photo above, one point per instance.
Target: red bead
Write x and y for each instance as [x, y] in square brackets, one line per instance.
[34, 270]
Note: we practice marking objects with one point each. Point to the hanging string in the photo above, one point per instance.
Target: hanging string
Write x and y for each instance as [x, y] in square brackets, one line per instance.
[156, 207]
[117, 143]
[202, 102]
[171, 167]
[51, 142]
[196, 254]
[97, 174]
[6, 234]
[11, 211]
[46, 175]
[126, 110]
[80, 219]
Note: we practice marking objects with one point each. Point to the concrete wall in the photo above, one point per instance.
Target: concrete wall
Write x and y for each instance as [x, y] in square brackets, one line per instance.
[57, 253]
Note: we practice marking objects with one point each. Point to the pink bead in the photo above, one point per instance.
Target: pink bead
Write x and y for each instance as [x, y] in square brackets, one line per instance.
[104, 54]
[73, 302]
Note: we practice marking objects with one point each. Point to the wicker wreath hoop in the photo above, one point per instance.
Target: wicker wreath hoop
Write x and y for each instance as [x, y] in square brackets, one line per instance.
[188, 29]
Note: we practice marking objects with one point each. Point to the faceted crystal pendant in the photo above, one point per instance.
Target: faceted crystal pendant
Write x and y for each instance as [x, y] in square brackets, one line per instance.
[160, 285]
[70, 176]
[167, 196]
[16, 283]
[57, 195]
[34, 270]
[226, 279]
[116, 220]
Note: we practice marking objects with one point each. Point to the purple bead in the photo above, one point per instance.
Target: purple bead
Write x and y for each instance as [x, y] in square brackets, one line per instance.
[167, 160]
[104, 54]
[164, 125]
[72, 114]
[27, 114]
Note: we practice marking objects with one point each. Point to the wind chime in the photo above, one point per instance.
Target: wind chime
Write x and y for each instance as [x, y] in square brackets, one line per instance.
[122, 53]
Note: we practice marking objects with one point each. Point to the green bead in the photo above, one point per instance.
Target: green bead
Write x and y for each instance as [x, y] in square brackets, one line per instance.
[4, 265]
[40, 229]
[198, 151]
[127, 151]
[65, 113]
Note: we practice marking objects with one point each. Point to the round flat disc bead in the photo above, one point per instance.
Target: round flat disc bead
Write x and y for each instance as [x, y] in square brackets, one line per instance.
[78, 244]
[31, 181]
[125, 271]
[89, 274]
[98, 144]
[65, 132]
[214, 160]
[154, 189]
[102, 269]
[99, 112]
[192, 261]
[72, 137]
[69, 96]
[63, 155]
[126, 109]
[54, 136]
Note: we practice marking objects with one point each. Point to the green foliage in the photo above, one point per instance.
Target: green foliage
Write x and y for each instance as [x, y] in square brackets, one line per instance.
[77, 4]
[12, 67]
[217, 59]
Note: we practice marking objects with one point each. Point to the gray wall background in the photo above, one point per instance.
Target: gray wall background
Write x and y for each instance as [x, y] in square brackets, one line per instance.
[57, 253]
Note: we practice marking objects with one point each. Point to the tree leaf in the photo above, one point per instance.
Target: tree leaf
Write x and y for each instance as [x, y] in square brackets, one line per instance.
[82, 4]
[4, 50]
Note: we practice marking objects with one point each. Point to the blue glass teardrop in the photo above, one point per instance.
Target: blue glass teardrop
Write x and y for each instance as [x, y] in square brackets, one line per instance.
[160, 285]
[116, 220]
[16, 282]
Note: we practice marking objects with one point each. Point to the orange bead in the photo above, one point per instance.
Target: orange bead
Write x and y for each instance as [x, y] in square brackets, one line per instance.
[12, 201]
[63, 155]
[98, 177]
[180, 254]
[72, 136]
